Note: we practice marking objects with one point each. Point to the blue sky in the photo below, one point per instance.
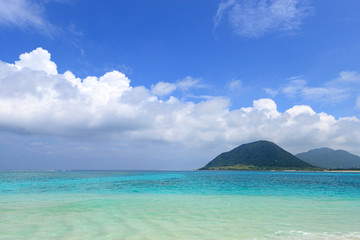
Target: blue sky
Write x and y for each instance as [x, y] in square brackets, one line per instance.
[170, 84]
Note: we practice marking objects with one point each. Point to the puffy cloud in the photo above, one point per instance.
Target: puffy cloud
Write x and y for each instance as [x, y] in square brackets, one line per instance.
[37, 60]
[255, 18]
[38, 100]
[267, 106]
[300, 109]
[163, 88]
[298, 128]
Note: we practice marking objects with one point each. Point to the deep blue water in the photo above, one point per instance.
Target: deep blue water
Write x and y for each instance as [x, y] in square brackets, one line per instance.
[340, 185]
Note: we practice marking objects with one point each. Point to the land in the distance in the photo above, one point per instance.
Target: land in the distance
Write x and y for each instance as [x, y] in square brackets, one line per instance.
[330, 159]
[267, 156]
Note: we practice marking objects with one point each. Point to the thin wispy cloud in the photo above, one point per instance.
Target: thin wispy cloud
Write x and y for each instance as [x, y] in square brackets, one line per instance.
[25, 14]
[166, 88]
[346, 77]
[234, 85]
[223, 7]
[342, 88]
[358, 102]
[255, 18]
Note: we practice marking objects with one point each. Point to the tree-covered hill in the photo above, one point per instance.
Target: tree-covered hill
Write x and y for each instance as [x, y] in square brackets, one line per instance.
[260, 155]
[329, 158]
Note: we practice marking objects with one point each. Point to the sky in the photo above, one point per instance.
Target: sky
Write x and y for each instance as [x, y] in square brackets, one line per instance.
[168, 85]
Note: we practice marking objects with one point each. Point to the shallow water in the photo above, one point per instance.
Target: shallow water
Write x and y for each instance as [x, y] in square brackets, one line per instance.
[179, 205]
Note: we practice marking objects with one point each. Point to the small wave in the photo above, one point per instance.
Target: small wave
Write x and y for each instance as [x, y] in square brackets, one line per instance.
[301, 235]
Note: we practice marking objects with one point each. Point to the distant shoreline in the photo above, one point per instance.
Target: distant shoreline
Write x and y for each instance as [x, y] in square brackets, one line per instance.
[194, 170]
[341, 171]
[335, 170]
[285, 170]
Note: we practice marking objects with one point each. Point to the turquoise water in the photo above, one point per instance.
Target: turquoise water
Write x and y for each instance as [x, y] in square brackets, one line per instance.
[179, 205]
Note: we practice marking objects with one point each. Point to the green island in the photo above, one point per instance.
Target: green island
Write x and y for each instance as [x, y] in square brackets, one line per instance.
[331, 159]
[267, 156]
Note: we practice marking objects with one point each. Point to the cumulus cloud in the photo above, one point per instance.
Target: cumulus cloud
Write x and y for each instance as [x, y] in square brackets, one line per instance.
[37, 60]
[24, 14]
[255, 18]
[35, 99]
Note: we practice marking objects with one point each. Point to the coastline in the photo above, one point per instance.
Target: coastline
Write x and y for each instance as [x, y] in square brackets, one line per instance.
[281, 170]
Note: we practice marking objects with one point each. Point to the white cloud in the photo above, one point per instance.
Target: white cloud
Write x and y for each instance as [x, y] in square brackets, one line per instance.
[271, 92]
[24, 14]
[267, 106]
[327, 94]
[294, 87]
[37, 60]
[300, 109]
[347, 77]
[37, 100]
[340, 89]
[223, 7]
[234, 85]
[357, 102]
[255, 18]
[164, 88]
[189, 82]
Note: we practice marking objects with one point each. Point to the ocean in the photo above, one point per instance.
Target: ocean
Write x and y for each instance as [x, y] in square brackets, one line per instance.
[179, 205]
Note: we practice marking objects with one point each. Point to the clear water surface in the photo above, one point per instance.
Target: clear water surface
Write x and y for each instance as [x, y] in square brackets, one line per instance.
[179, 205]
